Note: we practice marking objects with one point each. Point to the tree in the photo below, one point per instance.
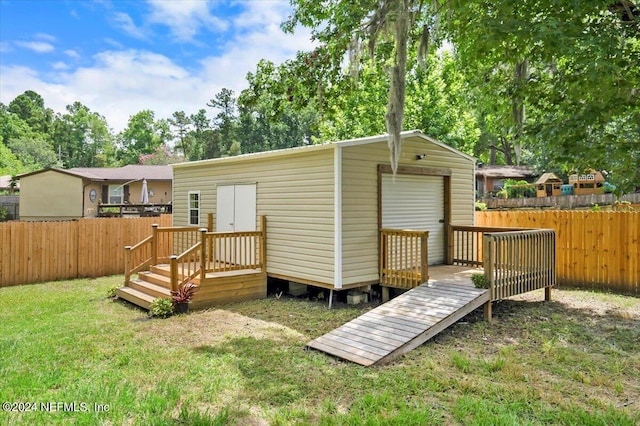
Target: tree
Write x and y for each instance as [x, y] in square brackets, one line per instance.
[83, 138]
[346, 26]
[142, 135]
[34, 154]
[181, 123]
[225, 123]
[30, 108]
[9, 163]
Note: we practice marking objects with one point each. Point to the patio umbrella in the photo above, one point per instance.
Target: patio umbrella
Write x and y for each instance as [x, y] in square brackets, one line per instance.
[144, 196]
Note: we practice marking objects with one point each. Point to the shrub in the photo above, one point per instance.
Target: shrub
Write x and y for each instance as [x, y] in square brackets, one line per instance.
[184, 293]
[481, 206]
[111, 293]
[4, 214]
[161, 307]
[480, 280]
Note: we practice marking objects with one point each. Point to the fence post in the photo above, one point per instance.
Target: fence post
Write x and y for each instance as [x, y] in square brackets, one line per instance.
[424, 256]
[203, 253]
[127, 261]
[173, 272]
[154, 244]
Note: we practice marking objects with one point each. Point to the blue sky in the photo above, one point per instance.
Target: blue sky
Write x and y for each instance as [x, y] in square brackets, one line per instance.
[119, 57]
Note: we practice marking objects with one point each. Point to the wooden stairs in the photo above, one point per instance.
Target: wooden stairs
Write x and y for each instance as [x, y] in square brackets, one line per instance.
[148, 286]
[402, 324]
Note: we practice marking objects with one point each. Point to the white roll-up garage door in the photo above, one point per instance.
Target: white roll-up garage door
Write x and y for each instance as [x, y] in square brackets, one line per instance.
[416, 202]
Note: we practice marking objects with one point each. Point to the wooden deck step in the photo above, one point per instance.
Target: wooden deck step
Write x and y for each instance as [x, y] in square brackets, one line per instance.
[155, 278]
[135, 296]
[150, 288]
[402, 324]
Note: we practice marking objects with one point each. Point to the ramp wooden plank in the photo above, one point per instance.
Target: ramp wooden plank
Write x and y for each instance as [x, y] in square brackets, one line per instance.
[396, 327]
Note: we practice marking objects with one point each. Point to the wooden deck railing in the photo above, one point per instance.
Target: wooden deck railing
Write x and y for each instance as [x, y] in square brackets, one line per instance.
[403, 258]
[466, 244]
[137, 258]
[200, 252]
[519, 261]
[126, 209]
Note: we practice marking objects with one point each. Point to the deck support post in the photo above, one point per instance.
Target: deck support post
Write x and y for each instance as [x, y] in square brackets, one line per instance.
[203, 254]
[330, 298]
[154, 244]
[127, 267]
[173, 262]
[547, 294]
[385, 294]
[487, 311]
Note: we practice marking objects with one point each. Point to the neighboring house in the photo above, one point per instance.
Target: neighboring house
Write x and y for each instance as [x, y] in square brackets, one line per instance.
[325, 204]
[59, 194]
[490, 179]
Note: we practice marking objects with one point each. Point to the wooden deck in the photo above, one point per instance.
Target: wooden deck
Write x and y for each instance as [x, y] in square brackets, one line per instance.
[216, 289]
[402, 324]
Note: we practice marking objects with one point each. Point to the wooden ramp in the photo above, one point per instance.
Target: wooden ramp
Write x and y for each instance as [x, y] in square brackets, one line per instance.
[402, 324]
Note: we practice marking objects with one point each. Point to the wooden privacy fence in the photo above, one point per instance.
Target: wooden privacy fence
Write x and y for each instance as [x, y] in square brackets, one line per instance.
[32, 252]
[593, 249]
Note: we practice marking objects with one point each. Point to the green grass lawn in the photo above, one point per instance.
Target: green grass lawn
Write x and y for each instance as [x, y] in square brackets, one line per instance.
[573, 361]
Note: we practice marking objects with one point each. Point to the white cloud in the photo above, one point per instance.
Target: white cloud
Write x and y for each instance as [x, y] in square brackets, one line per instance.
[45, 37]
[5, 47]
[184, 18]
[60, 66]
[119, 83]
[36, 46]
[124, 22]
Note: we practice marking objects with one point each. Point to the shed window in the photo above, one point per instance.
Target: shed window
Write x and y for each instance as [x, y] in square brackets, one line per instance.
[194, 208]
[116, 194]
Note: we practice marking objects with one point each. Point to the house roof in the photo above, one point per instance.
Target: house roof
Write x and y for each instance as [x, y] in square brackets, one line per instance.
[5, 182]
[130, 172]
[509, 172]
[328, 145]
[548, 176]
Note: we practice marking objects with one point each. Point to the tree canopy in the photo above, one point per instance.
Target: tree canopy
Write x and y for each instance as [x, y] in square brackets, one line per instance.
[552, 84]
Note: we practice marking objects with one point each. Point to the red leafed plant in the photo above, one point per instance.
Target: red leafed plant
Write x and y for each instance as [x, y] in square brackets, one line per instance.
[184, 293]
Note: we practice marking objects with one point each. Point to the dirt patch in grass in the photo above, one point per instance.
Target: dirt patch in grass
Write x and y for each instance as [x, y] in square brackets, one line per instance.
[214, 326]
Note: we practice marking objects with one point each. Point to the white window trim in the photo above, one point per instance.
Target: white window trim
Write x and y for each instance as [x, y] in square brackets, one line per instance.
[111, 194]
[189, 209]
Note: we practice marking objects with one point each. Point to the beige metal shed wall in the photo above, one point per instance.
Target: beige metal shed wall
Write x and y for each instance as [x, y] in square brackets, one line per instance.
[360, 198]
[50, 195]
[295, 193]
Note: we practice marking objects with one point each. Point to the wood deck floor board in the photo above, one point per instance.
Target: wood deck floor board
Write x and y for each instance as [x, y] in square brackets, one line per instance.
[387, 334]
[407, 324]
[394, 328]
[362, 350]
[365, 343]
[381, 325]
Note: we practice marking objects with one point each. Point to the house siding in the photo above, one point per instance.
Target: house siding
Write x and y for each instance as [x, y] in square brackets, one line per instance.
[295, 193]
[50, 196]
[360, 198]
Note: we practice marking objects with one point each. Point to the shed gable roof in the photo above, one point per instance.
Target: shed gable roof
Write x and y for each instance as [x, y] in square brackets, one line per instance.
[416, 134]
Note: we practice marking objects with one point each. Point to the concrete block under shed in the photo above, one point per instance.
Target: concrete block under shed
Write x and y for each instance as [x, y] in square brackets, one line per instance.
[297, 289]
[355, 297]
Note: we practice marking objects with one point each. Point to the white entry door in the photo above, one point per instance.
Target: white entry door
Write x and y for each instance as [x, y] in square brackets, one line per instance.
[416, 202]
[236, 208]
[236, 212]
